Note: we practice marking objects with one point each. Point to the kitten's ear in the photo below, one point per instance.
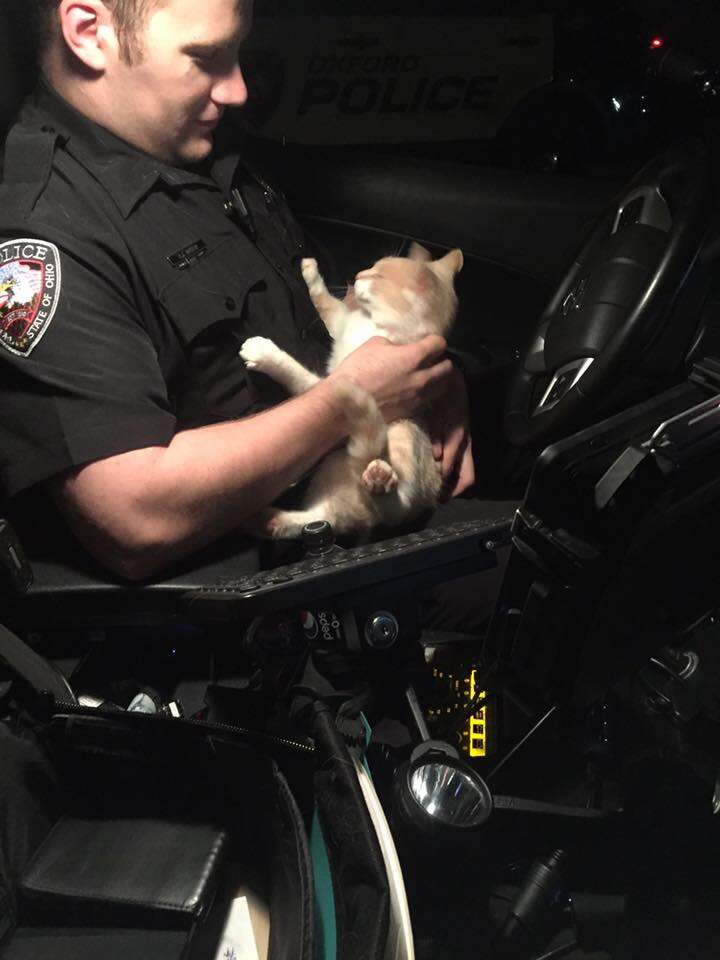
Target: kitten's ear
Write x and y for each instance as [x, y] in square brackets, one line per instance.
[450, 264]
[418, 252]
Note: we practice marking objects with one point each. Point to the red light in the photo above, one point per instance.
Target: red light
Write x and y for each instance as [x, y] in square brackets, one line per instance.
[656, 43]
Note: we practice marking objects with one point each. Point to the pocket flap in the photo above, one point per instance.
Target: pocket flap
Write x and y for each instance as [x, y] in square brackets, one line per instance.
[210, 290]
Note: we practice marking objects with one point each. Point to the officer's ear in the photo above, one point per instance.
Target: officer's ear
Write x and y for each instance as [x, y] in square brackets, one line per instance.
[88, 30]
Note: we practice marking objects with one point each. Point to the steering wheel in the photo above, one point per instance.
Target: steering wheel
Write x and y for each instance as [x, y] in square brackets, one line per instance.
[615, 298]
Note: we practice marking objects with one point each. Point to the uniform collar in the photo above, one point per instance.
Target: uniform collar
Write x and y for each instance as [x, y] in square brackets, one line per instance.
[125, 172]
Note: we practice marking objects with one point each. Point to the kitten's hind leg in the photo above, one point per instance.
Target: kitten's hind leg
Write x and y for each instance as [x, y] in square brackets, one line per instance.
[262, 354]
[379, 477]
[333, 312]
[274, 524]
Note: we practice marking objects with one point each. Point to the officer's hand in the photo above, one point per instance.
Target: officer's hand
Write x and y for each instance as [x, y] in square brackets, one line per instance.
[402, 378]
[449, 425]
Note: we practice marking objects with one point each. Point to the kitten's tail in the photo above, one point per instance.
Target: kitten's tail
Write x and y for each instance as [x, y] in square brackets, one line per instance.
[368, 435]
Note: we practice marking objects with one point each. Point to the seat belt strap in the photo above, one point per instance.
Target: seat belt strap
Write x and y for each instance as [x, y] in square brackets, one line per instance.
[34, 669]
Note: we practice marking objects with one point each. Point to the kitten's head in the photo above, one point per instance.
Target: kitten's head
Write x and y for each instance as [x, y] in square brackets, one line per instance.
[410, 296]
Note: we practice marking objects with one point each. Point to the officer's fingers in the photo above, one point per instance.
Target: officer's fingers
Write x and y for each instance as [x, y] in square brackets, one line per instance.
[453, 449]
[430, 349]
[433, 380]
[466, 471]
[375, 341]
[435, 424]
[436, 431]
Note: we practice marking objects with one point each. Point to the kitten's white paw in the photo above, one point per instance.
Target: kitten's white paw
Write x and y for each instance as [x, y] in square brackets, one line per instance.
[311, 276]
[266, 524]
[379, 477]
[310, 270]
[259, 353]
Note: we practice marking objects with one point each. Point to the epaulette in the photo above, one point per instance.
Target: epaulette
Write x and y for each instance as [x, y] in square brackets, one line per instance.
[28, 162]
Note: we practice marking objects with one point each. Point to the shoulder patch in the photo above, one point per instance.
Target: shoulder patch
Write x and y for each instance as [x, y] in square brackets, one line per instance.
[29, 293]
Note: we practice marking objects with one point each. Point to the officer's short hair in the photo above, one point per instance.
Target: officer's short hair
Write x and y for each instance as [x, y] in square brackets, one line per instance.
[128, 17]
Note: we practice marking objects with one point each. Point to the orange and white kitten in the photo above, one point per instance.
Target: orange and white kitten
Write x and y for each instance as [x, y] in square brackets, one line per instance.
[386, 474]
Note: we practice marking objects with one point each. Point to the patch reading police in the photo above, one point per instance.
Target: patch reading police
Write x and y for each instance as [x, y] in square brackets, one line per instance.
[29, 293]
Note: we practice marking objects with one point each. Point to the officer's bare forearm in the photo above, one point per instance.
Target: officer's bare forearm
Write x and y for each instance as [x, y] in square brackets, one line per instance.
[142, 510]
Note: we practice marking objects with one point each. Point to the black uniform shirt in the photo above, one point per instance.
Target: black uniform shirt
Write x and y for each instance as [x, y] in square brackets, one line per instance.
[126, 289]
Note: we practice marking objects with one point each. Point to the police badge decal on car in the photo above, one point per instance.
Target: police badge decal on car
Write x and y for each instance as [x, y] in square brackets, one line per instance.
[29, 290]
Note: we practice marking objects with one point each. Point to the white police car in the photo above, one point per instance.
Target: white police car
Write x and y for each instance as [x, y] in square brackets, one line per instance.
[329, 72]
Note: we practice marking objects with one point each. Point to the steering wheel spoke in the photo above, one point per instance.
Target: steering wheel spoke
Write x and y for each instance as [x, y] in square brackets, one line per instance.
[645, 205]
[563, 380]
[535, 358]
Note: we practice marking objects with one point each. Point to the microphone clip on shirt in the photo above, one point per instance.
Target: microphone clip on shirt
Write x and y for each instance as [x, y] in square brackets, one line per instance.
[237, 208]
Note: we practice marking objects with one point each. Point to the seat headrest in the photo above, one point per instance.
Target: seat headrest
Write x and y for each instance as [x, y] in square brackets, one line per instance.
[18, 61]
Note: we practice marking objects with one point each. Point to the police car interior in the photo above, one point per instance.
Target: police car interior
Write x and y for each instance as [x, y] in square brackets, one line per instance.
[234, 761]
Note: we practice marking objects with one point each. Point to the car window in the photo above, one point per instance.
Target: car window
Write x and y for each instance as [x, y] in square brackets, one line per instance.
[403, 8]
[392, 72]
[540, 84]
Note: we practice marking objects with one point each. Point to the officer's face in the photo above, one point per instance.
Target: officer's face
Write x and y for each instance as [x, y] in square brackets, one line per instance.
[169, 101]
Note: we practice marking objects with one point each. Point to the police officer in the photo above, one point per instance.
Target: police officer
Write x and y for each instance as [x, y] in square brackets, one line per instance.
[135, 257]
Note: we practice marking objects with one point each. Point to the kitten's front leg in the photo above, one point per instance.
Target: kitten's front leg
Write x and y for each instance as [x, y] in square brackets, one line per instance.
[333, 312]
[262, 354]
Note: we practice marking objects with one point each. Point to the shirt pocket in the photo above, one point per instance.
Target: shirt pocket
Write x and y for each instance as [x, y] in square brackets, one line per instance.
[206, 306]
[212, 290]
